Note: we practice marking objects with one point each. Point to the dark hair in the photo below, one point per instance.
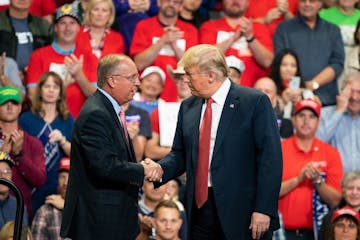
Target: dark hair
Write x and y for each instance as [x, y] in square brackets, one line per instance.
[330, 234]
[356, 40]
[275, 69]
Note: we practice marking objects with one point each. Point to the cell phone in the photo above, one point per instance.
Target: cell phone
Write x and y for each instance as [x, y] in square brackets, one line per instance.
[294, 83]
[306, 94]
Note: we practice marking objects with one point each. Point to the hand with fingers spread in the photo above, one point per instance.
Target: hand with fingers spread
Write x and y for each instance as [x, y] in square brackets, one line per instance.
[153, 171]
[259, 225]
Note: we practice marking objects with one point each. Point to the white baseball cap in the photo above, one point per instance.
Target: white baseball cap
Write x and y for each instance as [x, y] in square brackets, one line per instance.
[235, 62]
[153, 69]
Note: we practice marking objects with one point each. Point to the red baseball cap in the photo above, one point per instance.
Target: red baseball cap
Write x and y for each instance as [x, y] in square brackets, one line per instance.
[308, 104]
[346, 211]
[64, 164]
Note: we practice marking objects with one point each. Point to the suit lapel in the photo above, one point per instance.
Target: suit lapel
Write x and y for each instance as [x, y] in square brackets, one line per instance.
[193, 117]
[230, 106]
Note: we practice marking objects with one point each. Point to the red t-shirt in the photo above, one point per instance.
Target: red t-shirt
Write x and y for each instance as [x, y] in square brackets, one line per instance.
[296, 205]
[113, 43]
[47, 59]
[259, 9]
[218, 30]
[42, 8]
[147, 32]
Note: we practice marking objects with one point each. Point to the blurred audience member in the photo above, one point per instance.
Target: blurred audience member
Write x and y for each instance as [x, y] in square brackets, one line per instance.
[272, 12]
[190, 13]
[152, 81]
[95, 36]
[345, 225]
[319, 46]
[351, 197]
[312, 174]
[236, 67]
[237, 35]
[44, 9]
[167, 221]
[27, 152]
[47, 220]
[164, 42]
[49, 121]
[340, 124]
[139, 128]
[7, 232]
[9, 73]
[64, 58]
[22, 33]
[267, 86]
[8, 203]
[129, 13]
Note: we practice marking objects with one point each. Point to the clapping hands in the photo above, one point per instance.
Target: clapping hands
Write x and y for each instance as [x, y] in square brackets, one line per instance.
[153, 171]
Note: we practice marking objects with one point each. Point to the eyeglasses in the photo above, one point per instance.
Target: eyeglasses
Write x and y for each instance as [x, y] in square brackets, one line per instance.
[131, 78]
[6, 173]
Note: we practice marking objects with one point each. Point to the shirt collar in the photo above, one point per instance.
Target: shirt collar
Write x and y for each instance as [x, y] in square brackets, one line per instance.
[114, 103]
[220, 95]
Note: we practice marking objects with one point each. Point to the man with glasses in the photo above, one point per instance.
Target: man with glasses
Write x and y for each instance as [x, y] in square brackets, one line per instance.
[7, 202]
[163, 43]
[101, 199]
[319, 46]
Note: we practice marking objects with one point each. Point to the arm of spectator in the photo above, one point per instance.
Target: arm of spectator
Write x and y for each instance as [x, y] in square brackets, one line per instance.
[139, 6]
[55, 200]
[225, 45]
[146, 224]
[146, 57]
[153, 149]
[57, 137]
[290, 184]
[271, 15]
[75, 67]
[262, 55]
[324, 77]
[283, 6]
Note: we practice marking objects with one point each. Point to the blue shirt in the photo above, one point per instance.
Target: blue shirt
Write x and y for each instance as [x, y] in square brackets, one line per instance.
[343, 132]
[316, 48]
[8, 211]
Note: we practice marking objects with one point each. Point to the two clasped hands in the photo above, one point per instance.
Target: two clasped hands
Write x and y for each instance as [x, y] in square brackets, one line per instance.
[152, 170]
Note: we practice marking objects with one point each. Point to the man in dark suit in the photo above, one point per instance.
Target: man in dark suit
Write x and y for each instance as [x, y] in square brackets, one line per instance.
[101, 199]
[244, 163]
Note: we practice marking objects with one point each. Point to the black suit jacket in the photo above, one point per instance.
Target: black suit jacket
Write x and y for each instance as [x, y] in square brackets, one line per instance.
[246, 166]
[101, 199]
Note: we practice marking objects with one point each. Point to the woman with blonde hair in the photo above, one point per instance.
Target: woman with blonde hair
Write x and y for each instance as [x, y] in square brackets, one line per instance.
[50, 121]
[7, 232]
[96, 36]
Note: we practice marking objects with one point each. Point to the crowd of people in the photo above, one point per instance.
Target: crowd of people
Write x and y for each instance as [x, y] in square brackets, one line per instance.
[302, 54]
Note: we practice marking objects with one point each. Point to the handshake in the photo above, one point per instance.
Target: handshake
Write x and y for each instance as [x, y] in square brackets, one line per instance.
[152, 170]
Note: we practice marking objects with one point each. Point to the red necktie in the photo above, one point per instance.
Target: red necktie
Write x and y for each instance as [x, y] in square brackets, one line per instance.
[201, 179]
[123, 121]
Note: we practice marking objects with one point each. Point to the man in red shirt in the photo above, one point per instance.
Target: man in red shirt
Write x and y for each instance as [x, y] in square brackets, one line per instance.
[312, 173]
[237, 35]
[161, 41]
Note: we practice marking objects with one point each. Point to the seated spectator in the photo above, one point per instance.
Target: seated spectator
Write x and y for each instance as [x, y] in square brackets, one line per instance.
[152, 81]
[49, 121]
[27, 152]
[9, 73]
[319, 47]
[345, 225]
[22, 33]
[44, 9]
[95, 36]
[155, 148]
[190, 13]
[236, 67]
[351, 197]
[47, 220]
[267, 86]
[64, 57]
[147, 204]
[163, 43]
[340, 124]
[7, 232]
[129, 13]
[167, 221]
[8, 203]
[139, 128]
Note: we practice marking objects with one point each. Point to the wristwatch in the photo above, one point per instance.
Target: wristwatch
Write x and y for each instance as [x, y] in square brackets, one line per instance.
[318, 182]
[314, 85]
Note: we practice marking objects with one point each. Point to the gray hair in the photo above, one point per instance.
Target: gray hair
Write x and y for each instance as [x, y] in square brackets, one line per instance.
[348, 177]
